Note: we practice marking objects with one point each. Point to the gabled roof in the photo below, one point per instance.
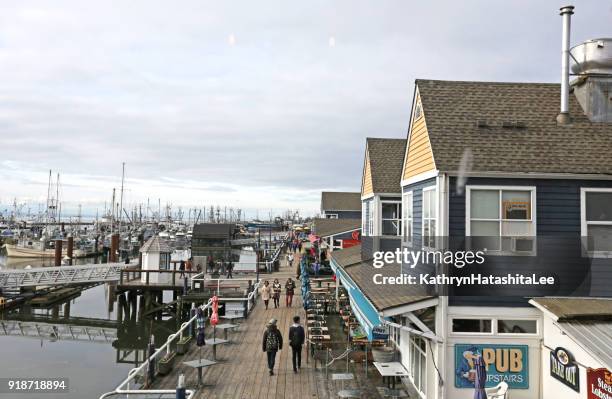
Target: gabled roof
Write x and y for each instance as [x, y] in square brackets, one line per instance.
[214, 230]
[340, 201]
[156, 244]
[327, 227]
[386, 157]
[530, 142]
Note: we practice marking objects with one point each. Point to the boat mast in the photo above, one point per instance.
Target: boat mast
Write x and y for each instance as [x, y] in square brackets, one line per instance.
[121, 200]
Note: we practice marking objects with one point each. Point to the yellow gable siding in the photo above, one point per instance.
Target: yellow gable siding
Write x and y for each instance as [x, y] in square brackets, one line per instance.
[366, 186]
[419, 157]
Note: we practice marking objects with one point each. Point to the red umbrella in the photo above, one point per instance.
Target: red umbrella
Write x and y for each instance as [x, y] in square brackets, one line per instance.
[214, 318]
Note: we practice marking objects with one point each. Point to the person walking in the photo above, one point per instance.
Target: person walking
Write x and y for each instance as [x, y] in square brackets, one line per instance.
[230, 268]
[266, 293]
[189, 266]
[182, 269]
[290, 259]
[272, 343]
[277, 288]
[289, 291]
[296, 340]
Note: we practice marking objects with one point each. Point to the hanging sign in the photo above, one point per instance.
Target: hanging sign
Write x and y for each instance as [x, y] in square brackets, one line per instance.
[599, 384]
[563, 367]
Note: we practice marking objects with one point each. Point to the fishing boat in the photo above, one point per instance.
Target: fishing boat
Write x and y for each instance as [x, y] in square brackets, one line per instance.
[38, 249]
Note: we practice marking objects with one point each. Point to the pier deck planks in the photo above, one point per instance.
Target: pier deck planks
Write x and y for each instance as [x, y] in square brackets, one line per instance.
[243, 372]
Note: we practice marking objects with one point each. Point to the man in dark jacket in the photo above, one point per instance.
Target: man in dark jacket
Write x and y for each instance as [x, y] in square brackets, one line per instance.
[272, 343]
[296, 340]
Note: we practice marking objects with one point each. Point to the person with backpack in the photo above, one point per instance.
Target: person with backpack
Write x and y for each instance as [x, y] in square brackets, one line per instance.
[272, 343]
[296, 340]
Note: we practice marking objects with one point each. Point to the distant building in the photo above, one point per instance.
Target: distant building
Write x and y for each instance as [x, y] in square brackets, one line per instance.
[338, 233]
[340, 205]
[212, 239]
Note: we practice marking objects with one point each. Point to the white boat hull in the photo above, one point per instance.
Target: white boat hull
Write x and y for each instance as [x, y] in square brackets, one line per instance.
[14, 251]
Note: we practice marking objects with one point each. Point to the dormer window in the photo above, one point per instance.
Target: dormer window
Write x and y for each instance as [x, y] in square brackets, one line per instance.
[391, 218]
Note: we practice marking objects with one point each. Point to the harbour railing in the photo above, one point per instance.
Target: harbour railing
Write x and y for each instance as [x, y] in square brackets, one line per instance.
[147, 370]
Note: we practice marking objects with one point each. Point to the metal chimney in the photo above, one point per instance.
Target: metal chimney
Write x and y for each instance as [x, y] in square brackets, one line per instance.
[566, 13]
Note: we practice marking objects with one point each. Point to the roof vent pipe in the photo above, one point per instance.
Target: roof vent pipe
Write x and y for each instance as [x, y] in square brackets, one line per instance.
[566, 13]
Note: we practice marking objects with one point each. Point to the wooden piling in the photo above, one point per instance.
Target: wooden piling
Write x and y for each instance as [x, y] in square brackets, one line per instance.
[69, 249]
[114, 250]
[58, 252]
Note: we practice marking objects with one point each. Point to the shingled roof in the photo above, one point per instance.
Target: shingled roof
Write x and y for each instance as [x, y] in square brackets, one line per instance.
[386, 158]
[535, 145]
[340, 201]
[156, 244]
[327, 227]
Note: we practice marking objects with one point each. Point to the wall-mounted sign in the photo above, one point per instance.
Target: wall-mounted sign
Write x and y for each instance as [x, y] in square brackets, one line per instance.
[599, 384]
[563, 367]
[507, 363]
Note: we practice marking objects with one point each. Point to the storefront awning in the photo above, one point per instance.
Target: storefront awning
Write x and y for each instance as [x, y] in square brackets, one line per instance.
[365, 313]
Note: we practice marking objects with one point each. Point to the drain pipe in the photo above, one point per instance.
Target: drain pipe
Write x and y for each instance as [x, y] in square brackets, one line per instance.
[566, 13]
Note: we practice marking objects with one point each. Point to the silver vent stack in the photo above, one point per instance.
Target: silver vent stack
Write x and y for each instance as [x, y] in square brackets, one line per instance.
[566, 13]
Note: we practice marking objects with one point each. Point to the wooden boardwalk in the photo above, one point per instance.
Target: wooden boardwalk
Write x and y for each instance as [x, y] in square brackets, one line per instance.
[243, 372]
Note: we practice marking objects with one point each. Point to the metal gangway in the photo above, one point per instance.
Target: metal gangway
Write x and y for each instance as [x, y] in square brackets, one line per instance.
[61, 275]
[57, 331]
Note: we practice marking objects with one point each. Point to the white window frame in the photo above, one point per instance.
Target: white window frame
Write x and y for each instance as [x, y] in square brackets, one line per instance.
[408, 223]
[463, 333]
[415, 349]
[431, 220]
[536, 319]
[501, 189]
[331, 216]
[584, 224]
[494, 326]
[399, 218]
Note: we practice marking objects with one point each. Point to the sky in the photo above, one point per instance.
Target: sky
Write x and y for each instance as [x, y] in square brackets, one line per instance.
[253, 105]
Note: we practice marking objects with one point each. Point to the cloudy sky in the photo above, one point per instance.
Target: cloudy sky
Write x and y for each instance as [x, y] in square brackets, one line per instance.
[256, 105]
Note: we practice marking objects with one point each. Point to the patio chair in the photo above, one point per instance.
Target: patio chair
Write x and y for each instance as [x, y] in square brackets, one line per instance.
[500, 391]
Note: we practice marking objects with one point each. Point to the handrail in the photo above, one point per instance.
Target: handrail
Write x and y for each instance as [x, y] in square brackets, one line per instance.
[189, 393]
[135, 371]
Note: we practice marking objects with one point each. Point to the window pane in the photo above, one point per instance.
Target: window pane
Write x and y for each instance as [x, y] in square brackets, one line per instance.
[484, 204]
[429, 204]
[599, 238]
[485, 229]
[472, 325]
[517, 326]
[599, 207]
[390, 211]
[390, 227]
[516, 205]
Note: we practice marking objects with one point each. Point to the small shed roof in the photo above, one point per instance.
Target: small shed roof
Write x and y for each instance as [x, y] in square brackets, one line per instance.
[156, 244]
[327, 227]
